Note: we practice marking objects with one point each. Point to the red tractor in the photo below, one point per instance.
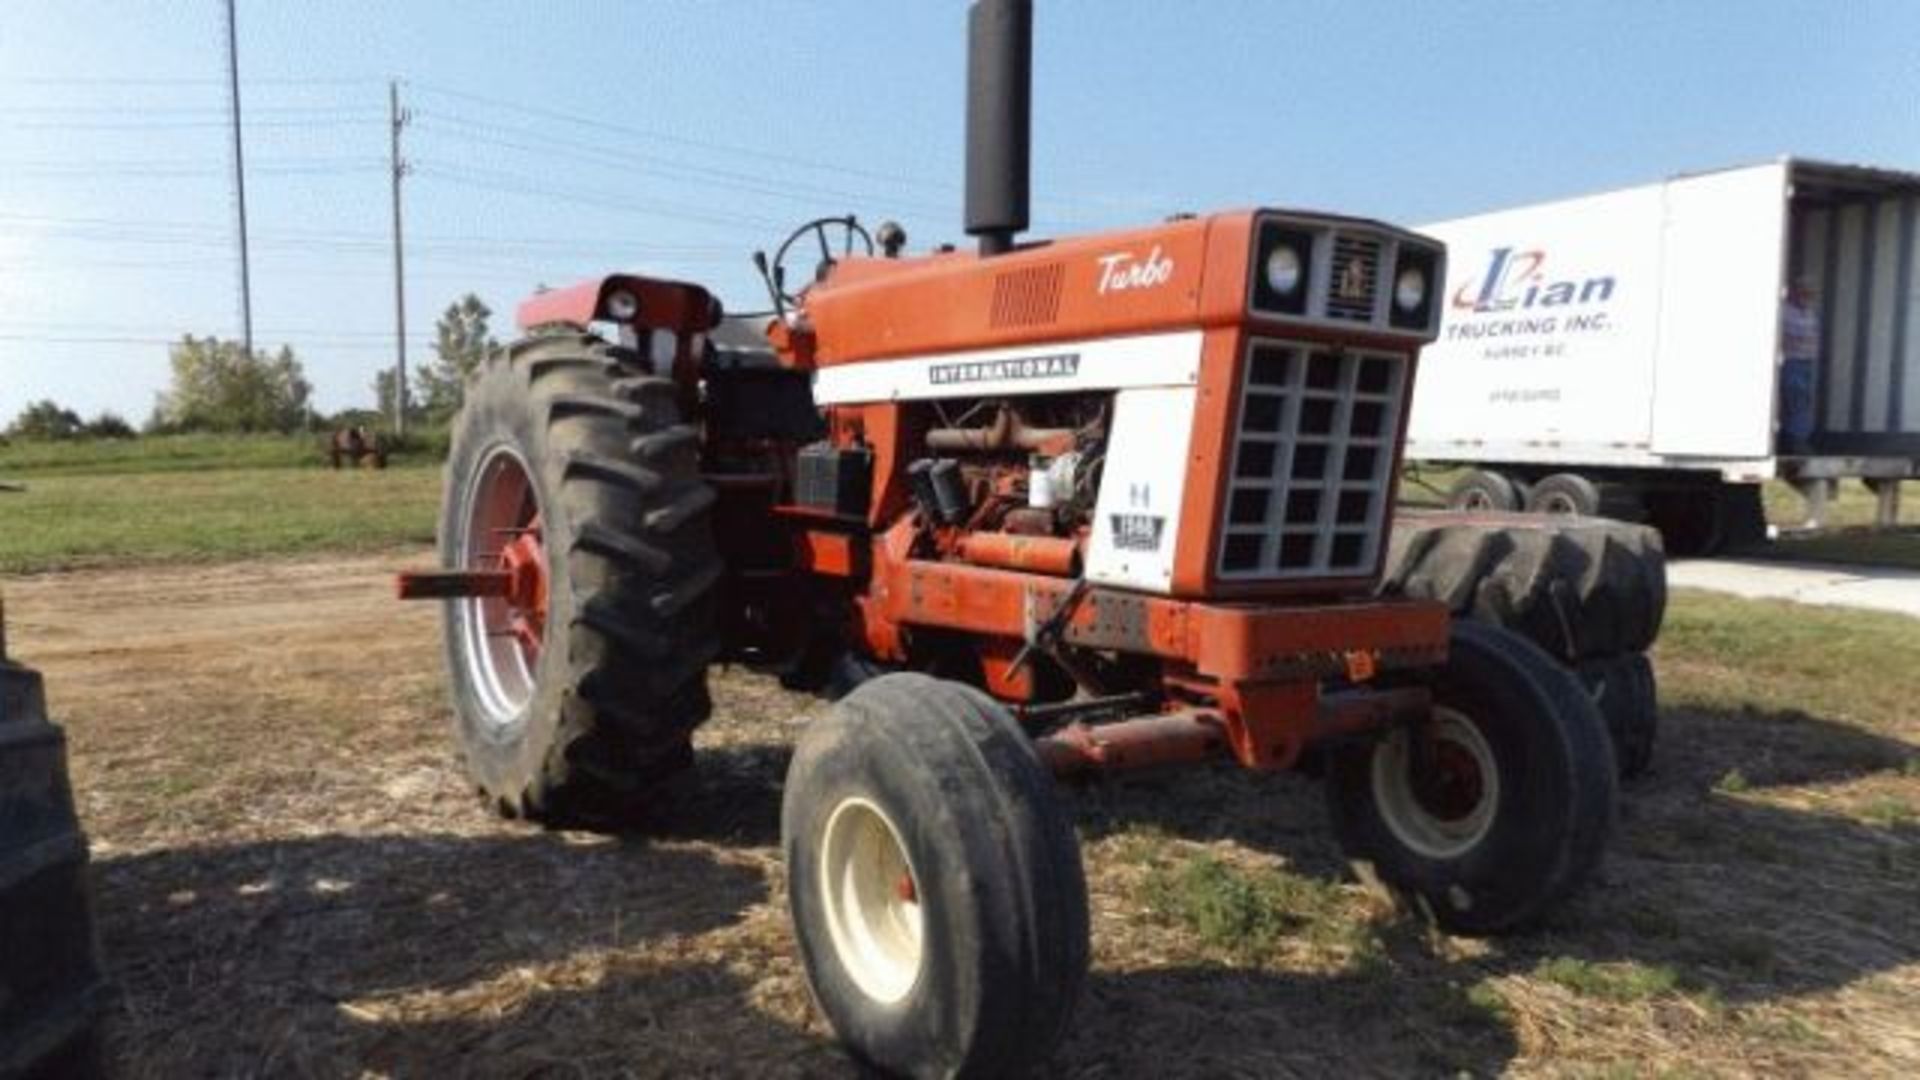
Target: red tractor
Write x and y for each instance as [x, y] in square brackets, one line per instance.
[1043, 508]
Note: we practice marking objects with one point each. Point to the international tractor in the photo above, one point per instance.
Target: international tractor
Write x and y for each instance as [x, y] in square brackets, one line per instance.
[1043, 508]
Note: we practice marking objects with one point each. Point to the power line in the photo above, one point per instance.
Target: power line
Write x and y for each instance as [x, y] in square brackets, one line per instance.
[482, 133]
[617, 202]
[143, 80]
[253, 123]
[170, 231]
[644, 133]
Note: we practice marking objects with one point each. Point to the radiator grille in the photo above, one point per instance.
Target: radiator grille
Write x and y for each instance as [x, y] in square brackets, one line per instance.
[1312, 462]
[1027, 297]
[1354, 290]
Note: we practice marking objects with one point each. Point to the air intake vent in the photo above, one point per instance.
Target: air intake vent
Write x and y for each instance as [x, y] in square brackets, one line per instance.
[1355, 283]
[1027, 297]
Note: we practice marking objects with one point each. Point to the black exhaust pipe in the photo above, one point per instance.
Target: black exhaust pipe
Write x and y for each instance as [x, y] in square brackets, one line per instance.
[999, 118]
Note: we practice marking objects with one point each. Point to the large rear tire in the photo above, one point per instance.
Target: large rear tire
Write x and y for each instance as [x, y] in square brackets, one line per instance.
[574, 698]
[934, 881]
[52, 990]
[1507, 808]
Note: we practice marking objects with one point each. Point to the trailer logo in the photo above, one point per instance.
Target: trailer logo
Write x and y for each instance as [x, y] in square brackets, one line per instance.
[1123, 271]
[1518, 279]
[1051, 366]
[1138, 532]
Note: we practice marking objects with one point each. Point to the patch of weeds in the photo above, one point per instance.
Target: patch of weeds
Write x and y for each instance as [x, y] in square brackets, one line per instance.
[176, 785]
[1887, 811]
[1911, 767]
[1622, 982]
[1145, 845]
[1486, 999]
[1733, 782]
[1784, 1028]
[1243, 913]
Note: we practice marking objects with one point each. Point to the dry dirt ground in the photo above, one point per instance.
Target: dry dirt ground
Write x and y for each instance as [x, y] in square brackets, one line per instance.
[293, 879]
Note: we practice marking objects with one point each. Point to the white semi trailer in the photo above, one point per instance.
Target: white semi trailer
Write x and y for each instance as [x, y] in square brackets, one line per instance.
[1620, 353]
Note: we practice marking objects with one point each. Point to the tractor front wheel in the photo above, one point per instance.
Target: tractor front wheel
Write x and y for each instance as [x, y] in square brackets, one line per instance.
[1489, 813]
[934, 881]
[578, 680]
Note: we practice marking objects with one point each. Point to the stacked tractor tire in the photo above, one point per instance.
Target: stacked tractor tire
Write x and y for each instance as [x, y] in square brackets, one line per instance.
[51, 989]
[1590, 591]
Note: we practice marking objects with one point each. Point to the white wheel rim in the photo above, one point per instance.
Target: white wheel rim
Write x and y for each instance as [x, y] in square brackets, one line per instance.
[872, 900]
[1452, 821]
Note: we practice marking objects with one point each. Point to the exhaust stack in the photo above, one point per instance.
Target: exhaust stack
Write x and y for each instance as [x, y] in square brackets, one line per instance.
[999, 115]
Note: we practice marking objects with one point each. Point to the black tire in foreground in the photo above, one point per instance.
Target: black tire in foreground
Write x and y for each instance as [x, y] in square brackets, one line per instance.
[52, 991]
[564, 431]
[1623, 689]
[1576, 587]
[1501, 809]
[1485, 490]
[934, 881]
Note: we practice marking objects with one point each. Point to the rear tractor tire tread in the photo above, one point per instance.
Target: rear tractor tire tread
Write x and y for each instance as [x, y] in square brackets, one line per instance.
[53, 991]
[633, 571]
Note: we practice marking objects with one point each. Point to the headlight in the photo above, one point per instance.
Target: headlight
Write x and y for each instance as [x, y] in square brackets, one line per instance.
[1410, 289]
[1283, 270]
[622, 305]
[1417, 278]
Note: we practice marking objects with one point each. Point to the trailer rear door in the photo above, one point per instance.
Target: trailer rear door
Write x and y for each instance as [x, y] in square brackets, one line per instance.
[1723, 246]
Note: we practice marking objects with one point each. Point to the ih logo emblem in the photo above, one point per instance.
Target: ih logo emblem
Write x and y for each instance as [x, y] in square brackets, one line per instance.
[1353, 280]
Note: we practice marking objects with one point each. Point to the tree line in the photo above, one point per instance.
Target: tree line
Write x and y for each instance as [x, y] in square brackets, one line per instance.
[219, 386]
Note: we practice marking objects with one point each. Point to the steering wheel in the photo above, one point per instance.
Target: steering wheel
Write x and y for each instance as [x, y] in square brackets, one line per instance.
[850, 228]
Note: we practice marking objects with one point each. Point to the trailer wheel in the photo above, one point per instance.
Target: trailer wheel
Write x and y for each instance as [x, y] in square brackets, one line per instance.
[934, 881]
[1506, 806]
[52, 990]
[578, 692]
[1485, 490]
[1623, 689]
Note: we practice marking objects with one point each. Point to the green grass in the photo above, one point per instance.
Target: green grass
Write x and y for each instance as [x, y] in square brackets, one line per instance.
[23, 461]
[1244, 912]
[1623, 982]
[192, 515]
[1727, 653]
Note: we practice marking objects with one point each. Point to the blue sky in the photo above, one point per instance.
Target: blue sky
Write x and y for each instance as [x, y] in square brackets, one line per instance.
[555, 140]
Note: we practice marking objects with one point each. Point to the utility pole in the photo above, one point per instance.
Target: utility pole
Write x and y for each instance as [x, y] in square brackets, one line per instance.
[239, 180]
[398, 120]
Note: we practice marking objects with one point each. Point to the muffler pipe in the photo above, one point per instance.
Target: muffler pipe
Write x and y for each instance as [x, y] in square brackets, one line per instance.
[999, 120]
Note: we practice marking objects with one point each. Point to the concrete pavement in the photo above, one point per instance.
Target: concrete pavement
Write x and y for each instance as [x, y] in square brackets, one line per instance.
[1874, 588]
